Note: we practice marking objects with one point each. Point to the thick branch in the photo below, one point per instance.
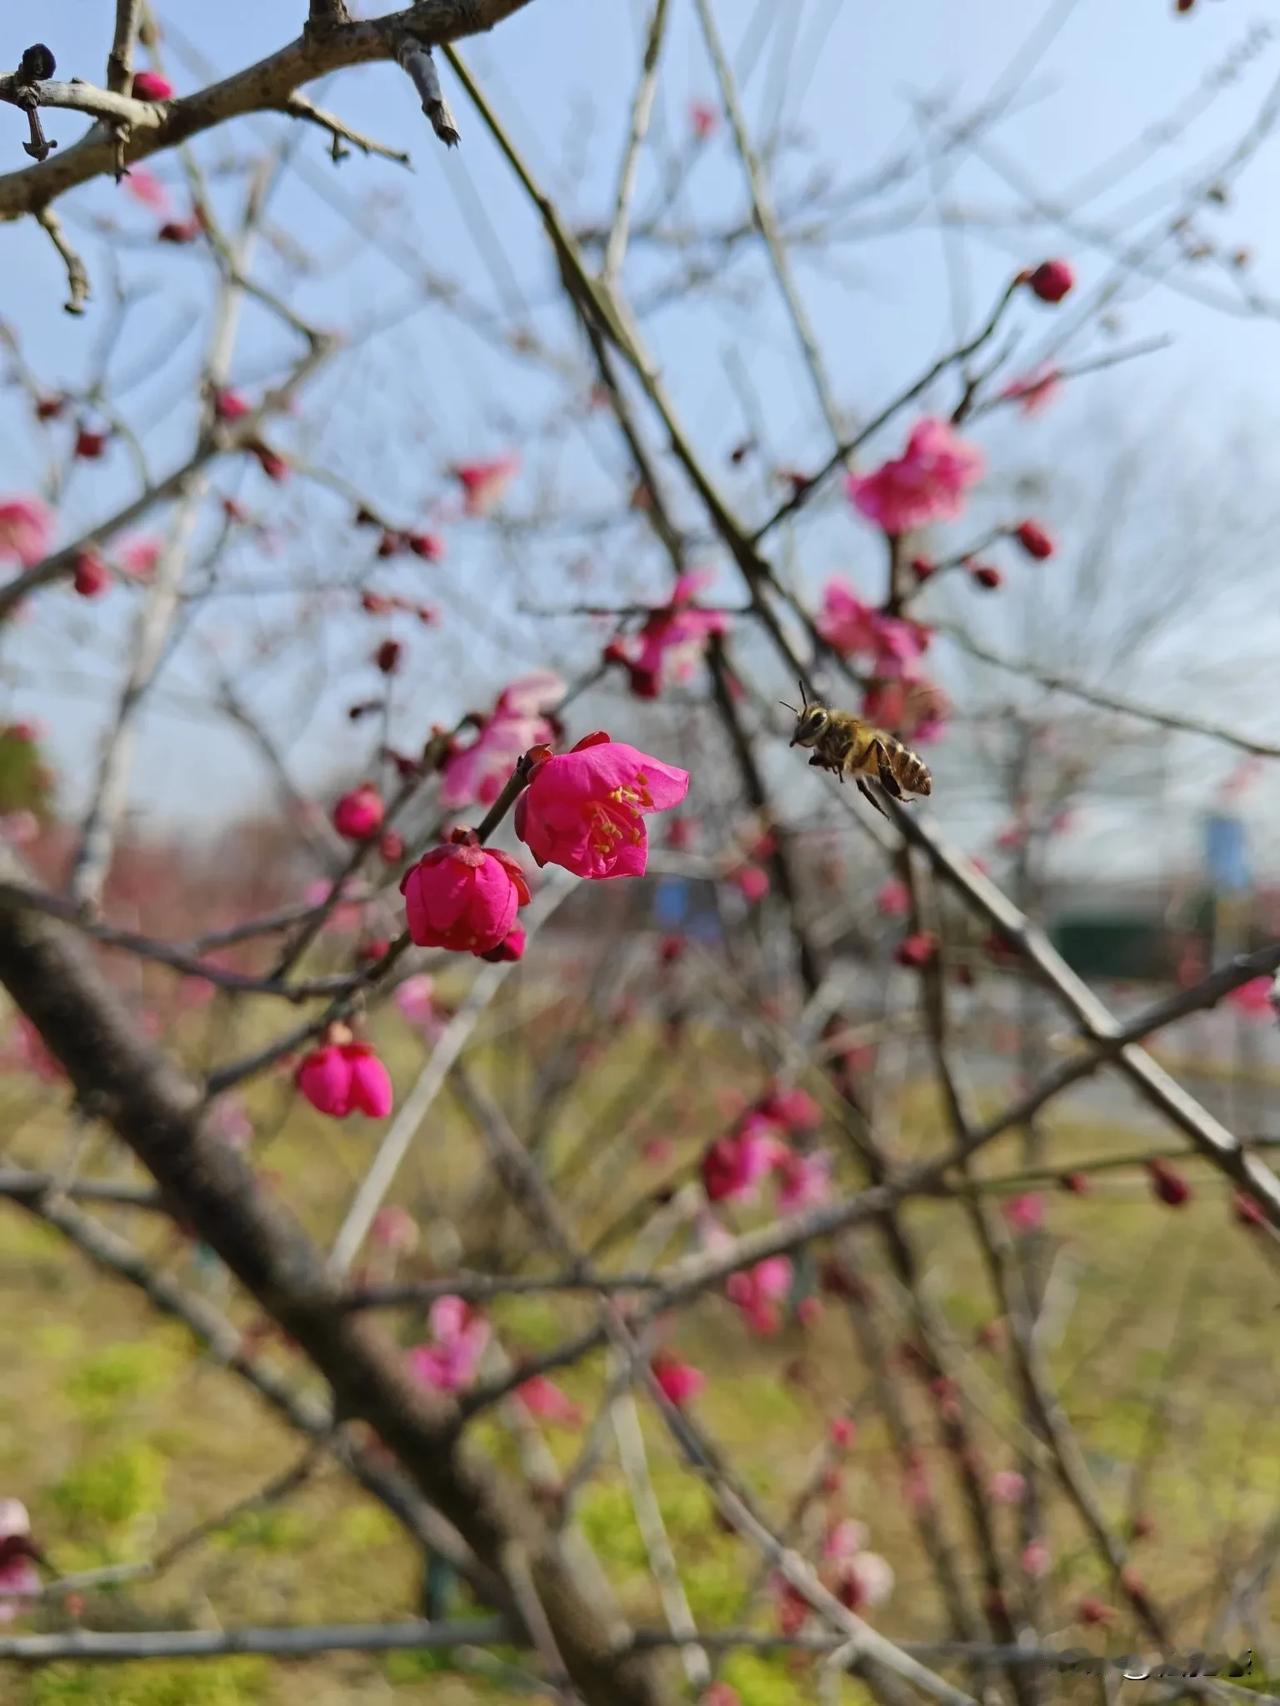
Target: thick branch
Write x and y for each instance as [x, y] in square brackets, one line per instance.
[263, 87]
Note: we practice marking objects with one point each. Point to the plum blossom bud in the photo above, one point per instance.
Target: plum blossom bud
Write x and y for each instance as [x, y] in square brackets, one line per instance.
[429, 546]
[679, 1381]
[1024, 1213]
[1051, 280]
[345, 1078]
[229, 406]
[1079, 1184]
[1248, 1210]
[358, 815]
[985, 575]
[391, 847]
[151, 86]
[922, 568]
[704, 119]
[463, 897]
[91, 576]
[917, 951]
[387, 656]
[90, 443]
[179, 230]
[1034, 540]
[1168, 1184]
[1036, 1558]
[1007, 1487]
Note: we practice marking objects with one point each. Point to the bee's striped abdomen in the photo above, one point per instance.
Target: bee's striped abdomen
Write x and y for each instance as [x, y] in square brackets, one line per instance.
[911, 772]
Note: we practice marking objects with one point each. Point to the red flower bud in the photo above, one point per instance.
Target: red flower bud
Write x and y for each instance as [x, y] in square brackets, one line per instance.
[1051, 280]
[1034, 540]
[92, 575]
[1168, 1184]
[90, 444]
[986, 575]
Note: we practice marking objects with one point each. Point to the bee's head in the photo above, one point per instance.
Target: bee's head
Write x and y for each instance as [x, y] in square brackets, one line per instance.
[811, 723]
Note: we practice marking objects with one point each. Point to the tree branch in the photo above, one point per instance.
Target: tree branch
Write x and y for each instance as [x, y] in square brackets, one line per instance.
[263, 87]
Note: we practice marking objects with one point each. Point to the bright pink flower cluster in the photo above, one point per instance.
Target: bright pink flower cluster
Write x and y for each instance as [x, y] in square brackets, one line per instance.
[671, 642]
[463, 896]
[733, 1167]
[584, 810]
[475, 774]
[926, 483]
[450, 1360]
[345, 1078]
[892, 645]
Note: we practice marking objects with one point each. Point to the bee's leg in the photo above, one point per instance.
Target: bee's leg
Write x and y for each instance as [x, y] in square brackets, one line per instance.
[868, 795]
[888, 781]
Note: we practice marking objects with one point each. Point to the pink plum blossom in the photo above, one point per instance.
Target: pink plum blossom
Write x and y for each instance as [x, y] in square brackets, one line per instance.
[757, 1292]
[450, 1360]
[415, 1000]
[26, 530]
[585, 809]
[672, 641]
[733, 1166]
[803, 1181]
[475, 774]
[926, 483]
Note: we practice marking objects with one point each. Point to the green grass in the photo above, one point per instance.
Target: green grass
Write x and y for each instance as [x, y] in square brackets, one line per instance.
[119, 1434]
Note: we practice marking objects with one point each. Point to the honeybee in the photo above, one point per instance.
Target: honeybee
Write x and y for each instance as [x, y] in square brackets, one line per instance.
[845, 744]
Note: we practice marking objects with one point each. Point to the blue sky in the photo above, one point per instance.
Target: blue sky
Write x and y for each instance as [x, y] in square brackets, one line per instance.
[847, 86]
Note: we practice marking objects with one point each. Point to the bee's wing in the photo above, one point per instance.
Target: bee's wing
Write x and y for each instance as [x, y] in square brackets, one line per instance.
[867, 794]
[888, 781]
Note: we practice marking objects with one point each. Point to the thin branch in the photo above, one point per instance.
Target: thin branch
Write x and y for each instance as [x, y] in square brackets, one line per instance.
[1109, 701]
[299, 106]
[221, 1643]
[78, 287]
[615, 247]
[120, 59]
